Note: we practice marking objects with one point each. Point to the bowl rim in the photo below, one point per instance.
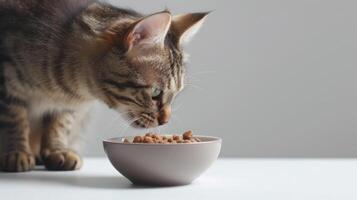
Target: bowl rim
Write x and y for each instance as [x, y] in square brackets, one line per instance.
[215, 140]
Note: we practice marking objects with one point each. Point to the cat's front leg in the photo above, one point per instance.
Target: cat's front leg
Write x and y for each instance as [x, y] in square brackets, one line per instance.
[14, 130]
[55, 150]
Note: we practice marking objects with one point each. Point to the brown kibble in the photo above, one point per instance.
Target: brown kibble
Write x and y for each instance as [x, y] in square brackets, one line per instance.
[187, 135]
[154, 138]
[176, 137]
[149, 134]
[158, 140]
[148, 139]
[157, 137]
[138, 139]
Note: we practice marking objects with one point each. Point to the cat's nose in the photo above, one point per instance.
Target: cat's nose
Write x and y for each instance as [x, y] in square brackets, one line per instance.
[164, 115]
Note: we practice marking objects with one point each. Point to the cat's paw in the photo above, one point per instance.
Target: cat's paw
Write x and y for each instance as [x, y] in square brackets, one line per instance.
[61, 159]
[17, 161]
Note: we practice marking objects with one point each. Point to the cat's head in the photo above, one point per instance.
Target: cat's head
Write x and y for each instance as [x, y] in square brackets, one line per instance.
[144, 70]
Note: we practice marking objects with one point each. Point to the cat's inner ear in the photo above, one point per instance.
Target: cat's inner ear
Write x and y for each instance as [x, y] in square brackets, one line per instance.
[185, 26]
[149, 31]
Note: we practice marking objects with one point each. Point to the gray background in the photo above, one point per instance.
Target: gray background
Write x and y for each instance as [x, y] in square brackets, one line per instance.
[273, 78]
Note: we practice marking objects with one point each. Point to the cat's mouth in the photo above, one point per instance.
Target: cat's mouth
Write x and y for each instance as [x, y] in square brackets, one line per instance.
[149, 119]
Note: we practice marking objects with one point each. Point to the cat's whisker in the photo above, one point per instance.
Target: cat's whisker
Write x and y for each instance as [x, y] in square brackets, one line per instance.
[176, 108]
[192, 77]
[195, 78]
[110, 124]
[147, 128]
[200, 73]
[114, 122]
[126, 127]
[123, 117]
[122, 114]
[193, 86]
[192, 82]
[146, 125]
[158, 130]
[125, 124]
[176, 119]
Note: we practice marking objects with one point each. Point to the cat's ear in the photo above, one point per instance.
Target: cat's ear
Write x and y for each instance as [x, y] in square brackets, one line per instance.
[185, 26]
[149, 31]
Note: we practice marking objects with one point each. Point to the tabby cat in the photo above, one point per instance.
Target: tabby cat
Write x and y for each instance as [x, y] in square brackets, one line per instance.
[58, 57]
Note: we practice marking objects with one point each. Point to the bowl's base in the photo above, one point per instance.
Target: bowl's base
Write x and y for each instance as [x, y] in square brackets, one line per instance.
[159, 184]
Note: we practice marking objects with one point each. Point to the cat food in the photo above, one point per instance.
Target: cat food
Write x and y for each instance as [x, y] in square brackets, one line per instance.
[153, 138]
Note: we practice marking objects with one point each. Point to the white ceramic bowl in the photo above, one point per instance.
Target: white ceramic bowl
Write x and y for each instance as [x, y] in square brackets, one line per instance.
[162, 164]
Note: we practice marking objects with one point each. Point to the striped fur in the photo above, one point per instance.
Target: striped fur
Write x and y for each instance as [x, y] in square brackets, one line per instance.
[57, 57]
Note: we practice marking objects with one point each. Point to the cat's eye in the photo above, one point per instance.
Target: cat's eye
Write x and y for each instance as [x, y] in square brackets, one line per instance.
[155, 92]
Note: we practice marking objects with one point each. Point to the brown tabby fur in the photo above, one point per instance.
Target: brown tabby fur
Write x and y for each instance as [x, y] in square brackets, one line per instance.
[57, 57]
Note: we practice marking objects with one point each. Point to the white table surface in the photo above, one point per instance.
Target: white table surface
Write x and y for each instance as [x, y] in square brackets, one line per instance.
[275, 179]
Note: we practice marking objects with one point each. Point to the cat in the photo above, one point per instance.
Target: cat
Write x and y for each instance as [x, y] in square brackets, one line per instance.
[58, 57]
